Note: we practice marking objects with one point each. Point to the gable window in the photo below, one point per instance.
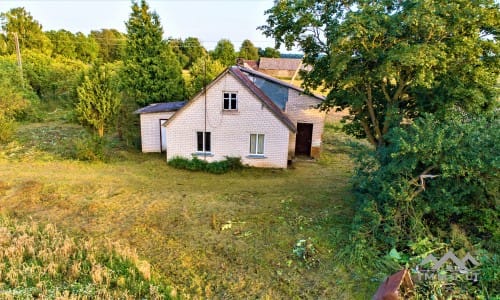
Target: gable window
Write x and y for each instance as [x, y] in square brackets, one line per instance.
[257, 144]
[203, 142]
[230, 101]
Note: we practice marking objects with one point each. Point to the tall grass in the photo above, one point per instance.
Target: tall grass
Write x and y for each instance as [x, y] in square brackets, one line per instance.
[40, 262]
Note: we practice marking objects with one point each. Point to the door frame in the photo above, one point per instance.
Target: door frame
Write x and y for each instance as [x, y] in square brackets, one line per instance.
[161, 136]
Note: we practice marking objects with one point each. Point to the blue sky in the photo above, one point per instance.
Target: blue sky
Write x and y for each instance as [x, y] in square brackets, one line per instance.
[208, 20]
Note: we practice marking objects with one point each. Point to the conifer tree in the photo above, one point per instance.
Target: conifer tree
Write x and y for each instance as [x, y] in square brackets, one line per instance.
[152, 73]
[99, 101]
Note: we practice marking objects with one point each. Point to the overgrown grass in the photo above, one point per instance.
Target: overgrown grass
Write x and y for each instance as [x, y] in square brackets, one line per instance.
[227, 236]
[41, 262]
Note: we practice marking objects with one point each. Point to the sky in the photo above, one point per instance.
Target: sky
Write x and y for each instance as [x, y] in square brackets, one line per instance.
[208, 20]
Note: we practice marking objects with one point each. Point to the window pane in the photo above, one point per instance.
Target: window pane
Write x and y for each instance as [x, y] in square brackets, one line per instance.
[233, 103]
[199, 139]
[253, 142]
[207, 142]
[260, 148]
[226, 103]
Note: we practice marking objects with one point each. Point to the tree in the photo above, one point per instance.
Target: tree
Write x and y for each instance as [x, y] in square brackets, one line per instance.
[193, 49]
[30, 35]
[87, 49]
[111, 43]
[224, 52]
[203, 71]
[269, 52]
[98, 99]
[13, 97]
[390, 61]
[435, 175]
[151, 72]
[248, 51]
[63, 43]
[176, 46]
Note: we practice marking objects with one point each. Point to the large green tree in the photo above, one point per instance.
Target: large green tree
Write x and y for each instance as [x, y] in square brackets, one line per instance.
[248, 50]
[111, 43]
[98, 99]
[269, 52]
[203, 71]
[63, 43]
[29, 31]
[151, 72]
[224, 52]
[390, 60]
[192, 48]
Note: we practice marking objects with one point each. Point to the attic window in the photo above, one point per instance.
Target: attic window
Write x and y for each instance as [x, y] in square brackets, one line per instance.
[230, 101]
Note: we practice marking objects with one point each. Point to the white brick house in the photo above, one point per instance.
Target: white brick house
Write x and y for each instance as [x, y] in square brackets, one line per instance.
[246, 114]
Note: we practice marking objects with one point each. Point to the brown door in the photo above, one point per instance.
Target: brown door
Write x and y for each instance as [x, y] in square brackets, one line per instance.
[303, 139]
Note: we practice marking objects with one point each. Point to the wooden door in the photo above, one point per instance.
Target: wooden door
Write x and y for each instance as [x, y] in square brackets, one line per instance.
[303, 140]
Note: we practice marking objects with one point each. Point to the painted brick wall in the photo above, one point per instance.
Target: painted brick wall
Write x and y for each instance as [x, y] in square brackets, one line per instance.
[230, 130]
[300, 108]
[150, 130]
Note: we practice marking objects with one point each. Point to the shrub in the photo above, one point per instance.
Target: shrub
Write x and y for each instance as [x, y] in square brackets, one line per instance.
[216, 167]
[93, 148]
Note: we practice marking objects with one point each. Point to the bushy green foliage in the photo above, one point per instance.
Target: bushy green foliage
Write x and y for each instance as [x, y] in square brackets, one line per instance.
[40, 262]
[215, 167]
[151, 71]
[99, 101]
[392, 60]
[203, 71]
[431, 177]
[248, 50]
[224, 52]
[92, 148]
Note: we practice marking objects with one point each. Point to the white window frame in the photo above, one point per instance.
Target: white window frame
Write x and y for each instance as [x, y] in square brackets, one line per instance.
[204, 139]
[259, 144]
[229, 98]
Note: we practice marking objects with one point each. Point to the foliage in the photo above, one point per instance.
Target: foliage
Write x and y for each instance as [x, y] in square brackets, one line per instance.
[151, 72]
[111, 43]
[93, 148]
[248, 51]
[53, 79]
[30, 34]
[215, 167]
[98, 99]
[433, 179]
[39, 261]
[224, 52]
[269, 52]
[193, 50]
[87, 48]
[63, 43]
[203, 71]
[14, 100]
[390, 61]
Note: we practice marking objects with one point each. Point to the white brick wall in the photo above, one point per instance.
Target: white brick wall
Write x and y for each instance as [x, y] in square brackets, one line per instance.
[150, 130]
[300, 108]
[230, 130]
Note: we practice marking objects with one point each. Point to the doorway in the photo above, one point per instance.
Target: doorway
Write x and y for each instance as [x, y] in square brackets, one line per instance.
[303, 140]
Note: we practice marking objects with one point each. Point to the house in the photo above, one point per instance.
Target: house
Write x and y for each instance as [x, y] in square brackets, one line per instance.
[153, 137]
[243, 113]
[277, 67]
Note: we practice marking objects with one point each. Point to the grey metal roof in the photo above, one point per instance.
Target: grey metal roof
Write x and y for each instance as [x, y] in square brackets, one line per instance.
[161, 107]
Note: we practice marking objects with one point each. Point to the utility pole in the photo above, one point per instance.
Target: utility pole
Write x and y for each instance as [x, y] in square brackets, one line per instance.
[19, 60]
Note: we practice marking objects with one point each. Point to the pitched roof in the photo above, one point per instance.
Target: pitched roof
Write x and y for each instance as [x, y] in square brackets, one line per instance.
[161, 107]
[237, 72]
[277, 81]
[289, 64]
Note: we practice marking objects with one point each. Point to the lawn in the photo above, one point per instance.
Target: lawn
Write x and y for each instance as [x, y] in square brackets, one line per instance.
[228, 236]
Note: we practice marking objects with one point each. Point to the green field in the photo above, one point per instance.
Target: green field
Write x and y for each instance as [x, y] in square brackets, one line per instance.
[228, 236]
